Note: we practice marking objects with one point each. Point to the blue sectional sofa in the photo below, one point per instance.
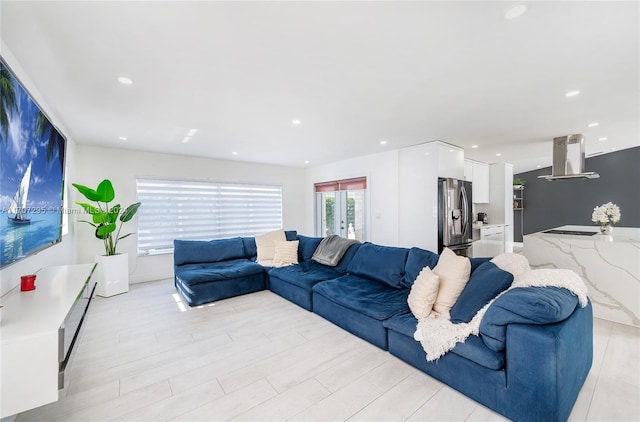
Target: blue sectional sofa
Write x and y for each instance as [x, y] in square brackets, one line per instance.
[218, 269]
[529, 362]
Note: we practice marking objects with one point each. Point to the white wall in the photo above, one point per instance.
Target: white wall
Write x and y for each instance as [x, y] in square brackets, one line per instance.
[420, 166]
[381, 171]
[122, 167]
[418, 196]
[65, 251]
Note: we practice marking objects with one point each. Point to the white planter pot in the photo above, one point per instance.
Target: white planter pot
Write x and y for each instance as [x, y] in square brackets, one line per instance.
[112, 274]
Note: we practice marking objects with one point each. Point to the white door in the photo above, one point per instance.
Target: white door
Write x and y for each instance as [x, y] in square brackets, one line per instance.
[341, 212]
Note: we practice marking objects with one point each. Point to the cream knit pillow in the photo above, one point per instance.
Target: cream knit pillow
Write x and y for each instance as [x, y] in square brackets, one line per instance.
[265, 246]
[423, 293]
[286, 253]
[454, 272]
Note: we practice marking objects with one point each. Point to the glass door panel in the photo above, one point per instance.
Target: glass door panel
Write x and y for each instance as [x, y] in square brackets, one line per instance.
[326, 223]
[342, 213]
[355, 210]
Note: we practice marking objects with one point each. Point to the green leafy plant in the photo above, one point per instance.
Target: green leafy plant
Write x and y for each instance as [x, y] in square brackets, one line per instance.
[104, 217]
[519, 182]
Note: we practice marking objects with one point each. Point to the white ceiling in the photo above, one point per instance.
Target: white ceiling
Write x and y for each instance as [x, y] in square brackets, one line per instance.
[354, 73]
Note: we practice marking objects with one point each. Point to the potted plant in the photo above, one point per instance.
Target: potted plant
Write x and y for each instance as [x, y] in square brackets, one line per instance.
[113, 268]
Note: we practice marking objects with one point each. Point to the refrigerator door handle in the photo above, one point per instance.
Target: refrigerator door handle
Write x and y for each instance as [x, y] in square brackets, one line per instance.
[465, 212]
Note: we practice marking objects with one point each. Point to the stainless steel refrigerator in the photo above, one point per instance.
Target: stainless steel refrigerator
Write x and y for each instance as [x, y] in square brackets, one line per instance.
[455, 218]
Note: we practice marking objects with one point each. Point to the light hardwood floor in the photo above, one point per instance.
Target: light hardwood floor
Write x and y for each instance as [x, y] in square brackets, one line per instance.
[145, 356]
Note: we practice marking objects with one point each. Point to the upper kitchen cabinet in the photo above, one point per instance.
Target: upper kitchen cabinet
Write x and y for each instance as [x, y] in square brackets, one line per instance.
[450, 161]
[468, 171]
[478, 174]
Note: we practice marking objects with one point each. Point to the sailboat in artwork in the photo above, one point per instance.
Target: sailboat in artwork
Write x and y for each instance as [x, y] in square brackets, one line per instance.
[18, 205]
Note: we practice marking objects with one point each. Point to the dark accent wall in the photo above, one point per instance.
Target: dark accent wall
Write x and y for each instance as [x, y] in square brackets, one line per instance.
[556, 203]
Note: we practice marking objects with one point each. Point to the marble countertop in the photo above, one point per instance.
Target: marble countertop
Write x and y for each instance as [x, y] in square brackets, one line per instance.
[618, 235]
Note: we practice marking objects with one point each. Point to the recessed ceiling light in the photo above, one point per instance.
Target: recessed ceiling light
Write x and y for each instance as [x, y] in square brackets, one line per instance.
[192, 132]
[124, 80]
[296, 122]
[499, 154]
[572, 93]
[594, 124]
[383, 142]
[515, 12]
[306, 161]
[604, 138]
[451, 150]
[613, 149]
[123, 138]
[538, 166]
[474, 146]
[186, 139]
[234, 153]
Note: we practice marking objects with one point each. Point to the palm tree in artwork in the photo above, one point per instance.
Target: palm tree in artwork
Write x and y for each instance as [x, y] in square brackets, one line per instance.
[55, 141]
[7, 99]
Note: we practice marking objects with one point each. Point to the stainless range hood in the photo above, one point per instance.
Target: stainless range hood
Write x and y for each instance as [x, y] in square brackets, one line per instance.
[568, 159]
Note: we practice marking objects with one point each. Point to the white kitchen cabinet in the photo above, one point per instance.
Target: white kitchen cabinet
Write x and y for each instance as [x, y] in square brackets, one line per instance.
[468, 170]
[491, 241]
[500, 206]
[480, 183]
[478, 174]
[450, 160]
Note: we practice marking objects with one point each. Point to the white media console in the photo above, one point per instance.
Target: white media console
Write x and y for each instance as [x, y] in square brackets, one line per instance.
[37, 334]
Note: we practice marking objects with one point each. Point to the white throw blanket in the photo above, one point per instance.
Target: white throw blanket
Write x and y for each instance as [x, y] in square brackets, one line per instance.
[438, 334]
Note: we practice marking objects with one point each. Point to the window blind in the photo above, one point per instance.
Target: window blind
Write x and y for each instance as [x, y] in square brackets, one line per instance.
[356, 183]
[194, 210]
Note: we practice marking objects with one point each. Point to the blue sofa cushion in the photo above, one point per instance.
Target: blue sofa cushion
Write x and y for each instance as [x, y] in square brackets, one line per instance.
[525, 305]
[250, 248]
[476, 262]
[290, 235]
[307, 247]
[373, 299]
[381, 263]
[417, 259]
[191, 274]
[485, 283]
[305, 275]
[193, 251]
[473, 348]
[347, 258]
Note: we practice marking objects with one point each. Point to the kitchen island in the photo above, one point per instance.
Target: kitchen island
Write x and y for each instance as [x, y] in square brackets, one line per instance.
[609, 264]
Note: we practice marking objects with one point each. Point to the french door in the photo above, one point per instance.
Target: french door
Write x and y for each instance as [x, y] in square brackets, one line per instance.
[341, 208]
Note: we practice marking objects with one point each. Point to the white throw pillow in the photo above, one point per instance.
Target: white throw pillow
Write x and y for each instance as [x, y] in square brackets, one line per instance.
[265, 246]
[454, 272]
[423, 293]
[513, 263]
[286, 253]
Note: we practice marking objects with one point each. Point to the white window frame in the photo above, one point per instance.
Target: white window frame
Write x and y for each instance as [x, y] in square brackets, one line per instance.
[202, 210]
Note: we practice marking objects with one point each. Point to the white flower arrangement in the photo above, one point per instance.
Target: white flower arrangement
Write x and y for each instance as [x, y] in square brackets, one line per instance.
[606, 214]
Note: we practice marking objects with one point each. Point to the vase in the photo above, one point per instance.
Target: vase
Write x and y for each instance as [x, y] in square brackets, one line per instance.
[112, 274]
[606, 229]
